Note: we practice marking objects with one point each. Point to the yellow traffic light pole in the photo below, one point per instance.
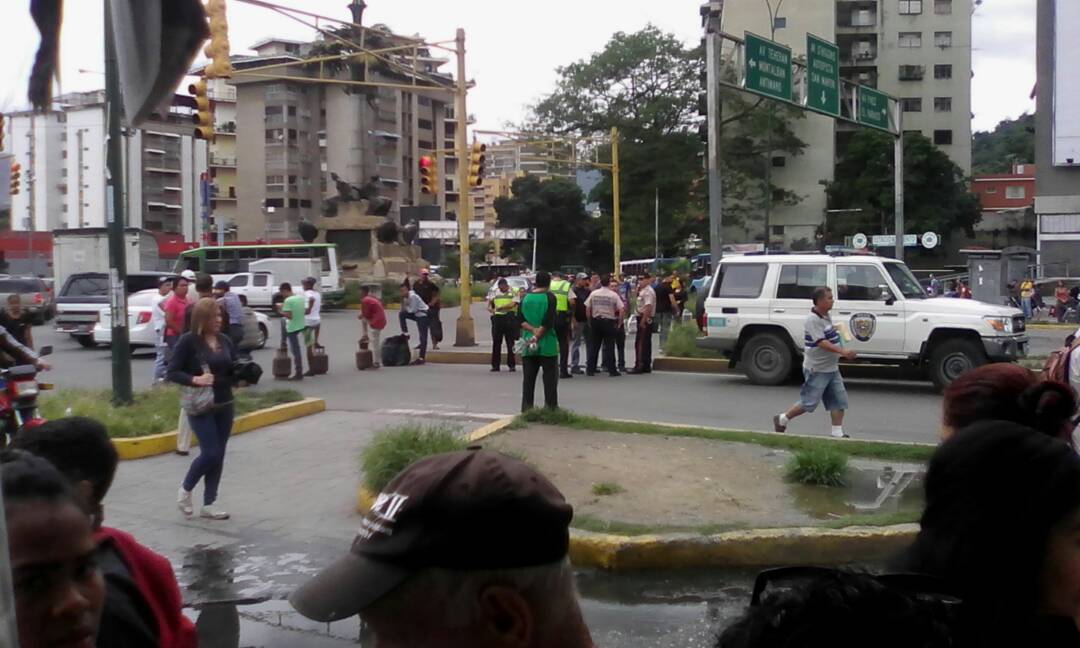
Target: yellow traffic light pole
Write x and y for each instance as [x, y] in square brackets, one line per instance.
[466, 331]
[616, 230]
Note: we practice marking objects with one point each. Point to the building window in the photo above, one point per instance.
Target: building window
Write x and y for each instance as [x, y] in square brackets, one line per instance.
[943, 137]
[912, 72]
[292, 111]
[991, 190]
[942, 104]
[943, 39]
[777, 230]
[272, 110]
[424, 123]
[423, 101]
[910, 39]
[425, 145]
[779, 161]
[943, 71]
[1015, 192]
[910, 7]
[943, 7]
[275, 202]
[274, 135]
[911, 104]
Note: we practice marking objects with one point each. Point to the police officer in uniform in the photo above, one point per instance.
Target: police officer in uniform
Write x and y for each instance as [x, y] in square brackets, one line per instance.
[564, 304]
[504, 326]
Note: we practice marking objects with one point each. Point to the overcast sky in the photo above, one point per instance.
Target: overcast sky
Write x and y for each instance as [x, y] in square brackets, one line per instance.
[514, 46]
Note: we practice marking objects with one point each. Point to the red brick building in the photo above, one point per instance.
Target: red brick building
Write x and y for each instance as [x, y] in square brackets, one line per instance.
[1006, 191]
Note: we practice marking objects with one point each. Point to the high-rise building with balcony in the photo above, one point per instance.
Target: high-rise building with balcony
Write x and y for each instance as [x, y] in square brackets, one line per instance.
[292, 133]
[62, 153]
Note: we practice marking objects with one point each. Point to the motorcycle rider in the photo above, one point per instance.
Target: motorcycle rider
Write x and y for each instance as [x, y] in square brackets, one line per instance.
[14, 353]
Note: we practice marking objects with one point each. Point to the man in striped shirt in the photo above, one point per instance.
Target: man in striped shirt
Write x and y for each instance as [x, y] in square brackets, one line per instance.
[822, 382]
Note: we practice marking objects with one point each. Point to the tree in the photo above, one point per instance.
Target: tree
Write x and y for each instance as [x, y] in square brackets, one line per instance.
[646, 84]
[1011, 142]
[556, 208]
[936, 193]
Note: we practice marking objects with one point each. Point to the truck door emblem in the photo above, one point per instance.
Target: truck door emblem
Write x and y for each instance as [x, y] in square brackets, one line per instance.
[863, 326]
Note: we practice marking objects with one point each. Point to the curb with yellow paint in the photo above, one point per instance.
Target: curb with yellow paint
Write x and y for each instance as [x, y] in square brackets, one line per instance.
[164, 443]
[749, 548]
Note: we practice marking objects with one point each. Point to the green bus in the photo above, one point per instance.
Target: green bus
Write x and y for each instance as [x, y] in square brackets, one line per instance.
[231, 259]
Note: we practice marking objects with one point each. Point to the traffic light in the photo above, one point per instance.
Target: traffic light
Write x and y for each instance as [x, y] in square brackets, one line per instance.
[203, 118]
[476, 164]
[217, 50]
[16, 171]
[428, 175]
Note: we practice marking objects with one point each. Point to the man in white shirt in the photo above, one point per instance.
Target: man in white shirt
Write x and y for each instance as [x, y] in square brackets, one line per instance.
[413, 308]
[157, 321]
[313, 308]
[604, 310]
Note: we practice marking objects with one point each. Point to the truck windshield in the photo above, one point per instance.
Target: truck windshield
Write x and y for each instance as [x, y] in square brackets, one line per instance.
[905, 281]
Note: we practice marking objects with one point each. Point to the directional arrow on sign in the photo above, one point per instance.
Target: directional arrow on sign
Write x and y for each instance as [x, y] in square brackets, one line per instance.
[824, 98]
[752, 63]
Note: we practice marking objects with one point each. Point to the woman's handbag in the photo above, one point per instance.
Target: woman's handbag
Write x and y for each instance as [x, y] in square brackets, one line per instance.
[197, 399]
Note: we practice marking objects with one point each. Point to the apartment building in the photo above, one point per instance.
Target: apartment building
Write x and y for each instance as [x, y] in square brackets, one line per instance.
[916, 50]
[223, 159]
[291, 135]
[62, 153]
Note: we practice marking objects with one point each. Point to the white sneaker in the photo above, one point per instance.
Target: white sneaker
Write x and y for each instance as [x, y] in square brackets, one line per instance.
[183, 501]
[213, 513]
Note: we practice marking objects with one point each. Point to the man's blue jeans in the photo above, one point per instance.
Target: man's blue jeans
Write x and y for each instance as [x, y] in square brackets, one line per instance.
[421, 324]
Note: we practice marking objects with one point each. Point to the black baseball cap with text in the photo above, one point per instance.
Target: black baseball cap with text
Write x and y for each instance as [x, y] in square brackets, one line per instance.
[473, 509]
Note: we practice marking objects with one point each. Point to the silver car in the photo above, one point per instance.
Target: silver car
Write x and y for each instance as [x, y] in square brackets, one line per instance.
[36, 296]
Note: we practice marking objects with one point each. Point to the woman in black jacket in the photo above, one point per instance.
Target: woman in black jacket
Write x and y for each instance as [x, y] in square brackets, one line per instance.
[205, 345]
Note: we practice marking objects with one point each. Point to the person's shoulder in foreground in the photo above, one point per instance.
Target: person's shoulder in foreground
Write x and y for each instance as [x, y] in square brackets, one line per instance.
[464, 549]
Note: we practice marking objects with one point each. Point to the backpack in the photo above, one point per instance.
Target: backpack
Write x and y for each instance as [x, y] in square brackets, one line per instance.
[395, 351]
[1056, 367]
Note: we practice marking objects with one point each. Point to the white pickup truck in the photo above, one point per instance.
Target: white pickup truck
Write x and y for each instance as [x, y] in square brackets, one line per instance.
[757, 303]
[264, 277]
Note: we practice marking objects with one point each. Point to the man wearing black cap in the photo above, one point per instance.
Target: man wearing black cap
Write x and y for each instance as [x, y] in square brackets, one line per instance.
[461, 550]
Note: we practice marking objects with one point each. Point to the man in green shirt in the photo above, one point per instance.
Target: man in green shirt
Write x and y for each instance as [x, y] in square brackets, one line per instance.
[293, 309]
[541, 344]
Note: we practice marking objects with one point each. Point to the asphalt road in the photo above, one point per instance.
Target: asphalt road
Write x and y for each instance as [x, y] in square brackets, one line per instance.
[881, 408]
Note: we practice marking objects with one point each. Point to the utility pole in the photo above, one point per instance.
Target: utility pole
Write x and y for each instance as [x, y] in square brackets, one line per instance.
[898, 179]
[466, 333]
[617, 226]
[710, 19]
[114, 213]
[656, 226]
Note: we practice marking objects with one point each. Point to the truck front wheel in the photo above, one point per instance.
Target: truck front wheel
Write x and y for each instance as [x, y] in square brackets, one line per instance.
[87, 341]
[953, 358]
[767, 359]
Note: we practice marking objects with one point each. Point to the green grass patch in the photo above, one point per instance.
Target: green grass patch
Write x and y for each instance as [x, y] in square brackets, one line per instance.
[915, 453]
[817, 467]
[682, 343]
[396, 447]
[607, 488]
[875, 519]
[153, 411]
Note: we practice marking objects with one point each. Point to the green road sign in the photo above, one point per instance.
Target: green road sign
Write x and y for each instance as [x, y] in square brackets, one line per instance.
[822, 76]
[768, 68]
[873, 108]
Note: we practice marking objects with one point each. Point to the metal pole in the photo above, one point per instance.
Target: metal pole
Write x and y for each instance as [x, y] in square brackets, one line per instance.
[898, 173]
[114, 212]
[712, 68]
[617, 232]
[656, 227]
[536, 238]
[466, 334]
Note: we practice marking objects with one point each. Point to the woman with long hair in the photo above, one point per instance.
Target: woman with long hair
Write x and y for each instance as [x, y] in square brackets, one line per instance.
[1001, 527]
[203, 358]
[1008, 392]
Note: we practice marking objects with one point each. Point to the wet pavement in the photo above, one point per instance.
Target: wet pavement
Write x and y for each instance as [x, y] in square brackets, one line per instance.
[291, 489]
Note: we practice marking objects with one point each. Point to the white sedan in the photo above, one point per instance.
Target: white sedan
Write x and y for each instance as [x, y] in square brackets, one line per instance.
[141, 333]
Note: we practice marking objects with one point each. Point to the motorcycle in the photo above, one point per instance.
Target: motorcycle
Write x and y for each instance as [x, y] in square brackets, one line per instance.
[19, 390]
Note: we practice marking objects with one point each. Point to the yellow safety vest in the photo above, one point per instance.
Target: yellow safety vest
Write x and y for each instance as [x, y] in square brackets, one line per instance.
[502, 299]
[561, 289]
